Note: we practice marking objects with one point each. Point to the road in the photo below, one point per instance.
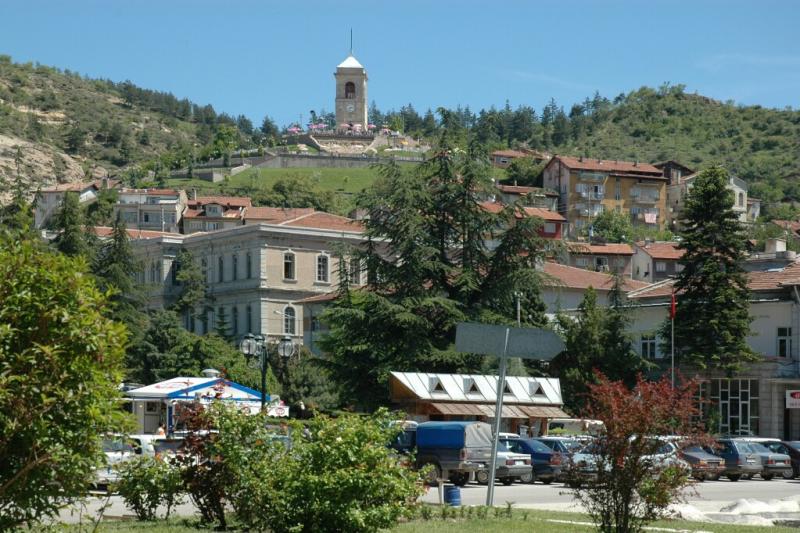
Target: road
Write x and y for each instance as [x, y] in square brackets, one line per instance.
[709, 496]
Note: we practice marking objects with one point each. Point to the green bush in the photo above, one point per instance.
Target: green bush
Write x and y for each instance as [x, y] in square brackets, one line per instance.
[147, 482]
[337, 475]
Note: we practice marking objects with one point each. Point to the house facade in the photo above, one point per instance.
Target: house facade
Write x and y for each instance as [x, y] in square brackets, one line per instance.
[600, 257]
[528, 196]
[212, 213]
[678, 192]
[587, 187]
[151, 209]
[753, 401]
[49, 200]
[254, 273]
[656, 261]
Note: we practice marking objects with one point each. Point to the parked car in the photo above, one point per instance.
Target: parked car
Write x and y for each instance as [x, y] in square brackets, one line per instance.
[774, 464]
[116, 449]
[793, 449]
[509, 466]
[545, 462]
[790, 448]
[740, 462]
[453, 450]
[566, 446]
[705, 465]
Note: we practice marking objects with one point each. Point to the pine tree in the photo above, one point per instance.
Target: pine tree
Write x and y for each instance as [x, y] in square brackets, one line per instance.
[713, 319]
[620, 362]
[192, 283]
[69, 224]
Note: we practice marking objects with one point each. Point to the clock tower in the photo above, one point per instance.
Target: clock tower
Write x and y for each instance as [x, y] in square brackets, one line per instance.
[351, 95]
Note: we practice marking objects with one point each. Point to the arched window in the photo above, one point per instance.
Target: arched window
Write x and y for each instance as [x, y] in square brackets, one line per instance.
[323, 268]
[289, 319]
[288, 265]
[249, 259]
[235, 320]
[220, 269]
[350, 90]
[235, 266]
[249, 312]
[204, 268]
[741, 199]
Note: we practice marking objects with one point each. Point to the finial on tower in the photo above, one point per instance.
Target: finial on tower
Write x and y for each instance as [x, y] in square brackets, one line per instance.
[351, 41]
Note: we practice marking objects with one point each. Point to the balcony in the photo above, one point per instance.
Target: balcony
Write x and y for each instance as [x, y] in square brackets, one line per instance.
[645, 198]
[592, 177]
[592, 196]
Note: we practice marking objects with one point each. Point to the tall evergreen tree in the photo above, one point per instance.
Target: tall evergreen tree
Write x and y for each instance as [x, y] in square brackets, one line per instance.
[69, 224]
[620, 361]
[192, 282]
[713, 319]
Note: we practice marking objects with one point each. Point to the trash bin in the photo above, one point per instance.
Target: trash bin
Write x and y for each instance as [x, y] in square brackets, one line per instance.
[452, 495]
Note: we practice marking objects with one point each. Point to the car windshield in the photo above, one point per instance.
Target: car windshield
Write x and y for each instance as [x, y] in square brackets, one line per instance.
[168, 446]
[757, 447]
[117, 446]
[695, 449]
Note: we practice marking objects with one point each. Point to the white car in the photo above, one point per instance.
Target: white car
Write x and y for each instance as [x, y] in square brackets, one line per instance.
[121, 448]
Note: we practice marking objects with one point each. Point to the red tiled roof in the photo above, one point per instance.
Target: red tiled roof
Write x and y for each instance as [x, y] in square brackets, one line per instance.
[600, 249]
[325, 221]
[606, 165]
[544, 214]
[579, 278]
[326, 297]
[661, 250]
[70, 187]
[509, 153]
[196, 213]
[492, 207]
[519, 189]
[105, 231]
[276, 214]
[229, 201]
[154, 192]
[758, 281]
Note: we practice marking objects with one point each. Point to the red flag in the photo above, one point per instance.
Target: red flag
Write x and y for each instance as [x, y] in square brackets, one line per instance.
[672, 306]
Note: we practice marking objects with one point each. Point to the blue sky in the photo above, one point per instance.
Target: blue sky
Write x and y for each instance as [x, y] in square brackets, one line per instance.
[277, 58]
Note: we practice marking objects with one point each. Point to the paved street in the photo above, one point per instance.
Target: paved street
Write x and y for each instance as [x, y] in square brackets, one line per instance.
[710, 496]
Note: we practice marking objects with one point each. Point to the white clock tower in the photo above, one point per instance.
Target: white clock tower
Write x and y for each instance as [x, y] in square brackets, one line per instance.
[351, 95]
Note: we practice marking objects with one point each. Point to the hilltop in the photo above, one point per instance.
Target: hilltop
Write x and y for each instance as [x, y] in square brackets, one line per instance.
[67, 126]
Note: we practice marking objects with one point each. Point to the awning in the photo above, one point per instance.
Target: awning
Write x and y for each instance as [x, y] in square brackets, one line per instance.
[509, 411]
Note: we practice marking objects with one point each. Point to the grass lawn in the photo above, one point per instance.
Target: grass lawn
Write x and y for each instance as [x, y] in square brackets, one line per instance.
[522, 521]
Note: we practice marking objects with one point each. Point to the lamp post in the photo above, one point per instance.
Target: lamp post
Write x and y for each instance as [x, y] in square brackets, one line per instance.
[256, 349]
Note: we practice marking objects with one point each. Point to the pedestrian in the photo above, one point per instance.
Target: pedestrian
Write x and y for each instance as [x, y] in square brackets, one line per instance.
[161, 431]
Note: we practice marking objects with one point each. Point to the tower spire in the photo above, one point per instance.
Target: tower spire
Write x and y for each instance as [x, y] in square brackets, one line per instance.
[351, 41]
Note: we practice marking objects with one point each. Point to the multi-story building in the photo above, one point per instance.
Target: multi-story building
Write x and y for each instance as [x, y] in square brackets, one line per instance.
[552, 222]
[503, 158]
[753, 400]
[254, 273]
[587, 187]
[600, 257]
[151, 209]
[212, 213]
[528, 196]
[49, 200]
[656, 261]
[678, 191]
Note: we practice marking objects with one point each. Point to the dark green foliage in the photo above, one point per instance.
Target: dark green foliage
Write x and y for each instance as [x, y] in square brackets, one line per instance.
[145, 483]
[101, 211]
[620, 361]
[611, 226]
[304, 378]
[713, 310]
[71, 238]
[295, 191]
[524, 171]
[60, 368]
[191, 279]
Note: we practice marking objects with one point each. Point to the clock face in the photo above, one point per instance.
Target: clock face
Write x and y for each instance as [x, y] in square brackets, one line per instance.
[351, 108]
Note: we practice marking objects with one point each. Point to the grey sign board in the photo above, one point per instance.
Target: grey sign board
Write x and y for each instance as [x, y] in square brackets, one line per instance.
[490, 339]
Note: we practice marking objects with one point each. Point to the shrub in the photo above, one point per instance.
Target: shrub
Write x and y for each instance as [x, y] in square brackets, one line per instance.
[147, 482]
[630, 488]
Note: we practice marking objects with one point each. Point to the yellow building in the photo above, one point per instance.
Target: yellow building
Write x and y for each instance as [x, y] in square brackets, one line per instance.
[587, 187]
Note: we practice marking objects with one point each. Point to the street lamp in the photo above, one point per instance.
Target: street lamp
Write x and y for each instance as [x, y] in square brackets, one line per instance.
[256, 349]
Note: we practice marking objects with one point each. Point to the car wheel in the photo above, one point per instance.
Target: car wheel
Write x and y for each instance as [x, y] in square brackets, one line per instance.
[788, 474]
[715, 477]
[526, 478]
[767, 477]
[482, 477]
[434, 474]
[459, 479]
[700, 478]
[507, 481]
[547, 481]
[734, 477]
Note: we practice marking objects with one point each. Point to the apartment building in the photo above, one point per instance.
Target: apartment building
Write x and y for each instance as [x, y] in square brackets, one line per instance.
[656, 261]
[151, 209]
[588, 186]
[754, 400]
[255, 273]
[49, 199]
[679, 191]
[212, 213]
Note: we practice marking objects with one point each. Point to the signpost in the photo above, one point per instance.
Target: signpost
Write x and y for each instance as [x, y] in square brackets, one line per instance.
[505, 342]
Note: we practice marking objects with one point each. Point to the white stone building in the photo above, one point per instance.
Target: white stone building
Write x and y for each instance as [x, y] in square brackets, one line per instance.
[151, 209]
[678, 191]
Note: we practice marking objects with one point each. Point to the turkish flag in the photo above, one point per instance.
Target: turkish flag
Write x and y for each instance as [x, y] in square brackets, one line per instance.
[672, 306]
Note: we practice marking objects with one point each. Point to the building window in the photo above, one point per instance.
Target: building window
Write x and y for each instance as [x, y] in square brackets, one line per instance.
[323, 270]
[350, 90]
[146, 217]
[601, 264]
[174, 273]
[235, 266]
[678, 267]
[220, 269]
[289, 319]
[204, 268]
[249, 312]
[235, 319]
[649, 346]
[784, 342]
[737, 404]
[354, 272]
[249, 259]
[661, 266]
[618, 190]
[288, 265]
[581, 262]
[211, 226]
[550, 227]
[741, 199]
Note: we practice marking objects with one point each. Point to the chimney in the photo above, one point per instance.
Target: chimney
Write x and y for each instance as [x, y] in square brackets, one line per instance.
[636, 163]
[580, 159]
